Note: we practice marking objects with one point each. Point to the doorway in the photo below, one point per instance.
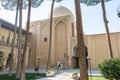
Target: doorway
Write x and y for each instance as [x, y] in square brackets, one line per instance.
[1, 60]
[75, 58]
[75, 62]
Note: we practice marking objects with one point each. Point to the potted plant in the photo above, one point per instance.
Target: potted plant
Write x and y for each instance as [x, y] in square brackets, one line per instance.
[110, 68]
[49, 73]
[74, 75]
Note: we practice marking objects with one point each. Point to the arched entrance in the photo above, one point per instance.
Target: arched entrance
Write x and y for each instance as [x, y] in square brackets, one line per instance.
[75, 59]
[8, 61]
[1, 60]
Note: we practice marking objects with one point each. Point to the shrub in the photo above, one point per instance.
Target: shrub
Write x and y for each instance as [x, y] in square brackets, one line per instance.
[29, 76]
[74, 75]
[110, 69]
[50, 73]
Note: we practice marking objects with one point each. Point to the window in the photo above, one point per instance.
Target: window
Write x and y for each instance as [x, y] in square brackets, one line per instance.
[2, 38]
[72, 30]
[45, 39]
[29, 50]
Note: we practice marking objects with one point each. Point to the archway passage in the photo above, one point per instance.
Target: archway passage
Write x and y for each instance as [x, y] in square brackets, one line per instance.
[75, 62]
[8, 61]
[75, 59]
[1, 58]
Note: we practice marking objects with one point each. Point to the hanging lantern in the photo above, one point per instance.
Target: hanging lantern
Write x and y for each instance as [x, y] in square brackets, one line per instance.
[118, 11]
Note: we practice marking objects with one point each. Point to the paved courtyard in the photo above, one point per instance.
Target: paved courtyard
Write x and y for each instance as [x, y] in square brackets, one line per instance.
[64, 75]
[67, 74]
[61, 76]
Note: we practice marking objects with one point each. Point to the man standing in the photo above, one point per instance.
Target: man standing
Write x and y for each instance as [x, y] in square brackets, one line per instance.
[59, 67]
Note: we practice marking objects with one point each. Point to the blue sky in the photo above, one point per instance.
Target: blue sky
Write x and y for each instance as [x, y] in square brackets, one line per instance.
[91, 15]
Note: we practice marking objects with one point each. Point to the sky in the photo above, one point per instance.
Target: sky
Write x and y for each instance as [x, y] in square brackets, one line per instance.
[92, 17]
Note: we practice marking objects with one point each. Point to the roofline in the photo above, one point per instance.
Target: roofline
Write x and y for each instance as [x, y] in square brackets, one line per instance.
[9, 26]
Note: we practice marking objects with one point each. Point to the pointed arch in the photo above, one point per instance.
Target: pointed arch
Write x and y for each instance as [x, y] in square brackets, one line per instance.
[61, 20]
[44, 43]
[44, 24]
[73, 30]
[61, 44]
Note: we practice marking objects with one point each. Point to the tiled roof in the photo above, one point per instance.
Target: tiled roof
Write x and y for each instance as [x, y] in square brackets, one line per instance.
[9, 26]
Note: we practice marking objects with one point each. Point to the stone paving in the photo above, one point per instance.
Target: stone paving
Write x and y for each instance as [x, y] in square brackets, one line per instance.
[61, 76]
[64, 75]
[67, 74]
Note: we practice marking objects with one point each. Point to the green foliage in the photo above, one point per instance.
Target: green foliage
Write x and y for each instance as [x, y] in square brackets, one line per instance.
[75, 73]
[58, 0]
[92, 2]
[11, 4]
[36, 3]
[110, 68]
[97, 78]
[29, 76]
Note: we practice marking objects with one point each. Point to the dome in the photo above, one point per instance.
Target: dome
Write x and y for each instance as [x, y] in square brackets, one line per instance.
[61, 11]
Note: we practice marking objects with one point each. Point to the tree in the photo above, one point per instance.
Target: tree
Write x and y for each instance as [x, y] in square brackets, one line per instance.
[13, 43]
[50, 40]
[95, 2]
[26, 43]
[19, 40]
[107, 28]
[80, 40]
[12, 4]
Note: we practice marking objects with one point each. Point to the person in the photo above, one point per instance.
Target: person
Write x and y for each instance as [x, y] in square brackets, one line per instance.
[59, 67]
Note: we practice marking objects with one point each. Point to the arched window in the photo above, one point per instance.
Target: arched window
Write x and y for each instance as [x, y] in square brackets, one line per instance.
[73, 33]
[2, 38]
[45, 39]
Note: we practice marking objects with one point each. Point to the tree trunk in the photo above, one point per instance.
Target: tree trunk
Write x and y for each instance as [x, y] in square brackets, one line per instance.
[26, 43]
[107, 29]
[50, 40]
[81, 45]
[19, 41]
[13, 44]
